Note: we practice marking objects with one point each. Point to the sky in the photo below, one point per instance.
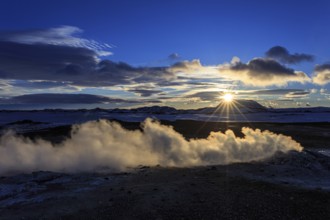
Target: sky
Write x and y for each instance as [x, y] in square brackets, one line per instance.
[185, 54]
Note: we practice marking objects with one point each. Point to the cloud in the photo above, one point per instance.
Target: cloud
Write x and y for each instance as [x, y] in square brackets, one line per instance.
[38, 84]
[54, 98]
[324, 92]
[282, 54]
[62, 36]
[145, 92]
[55, 54]
[103, 144]
[59, 58]
[44, 62]
[174, 56]
[187, 66]
[122, 73]
[287, 94]
[206, 95]
[322, 74]
[75, 65]
[262, 72]
[271, 91]
[313, 91]
[297, 94]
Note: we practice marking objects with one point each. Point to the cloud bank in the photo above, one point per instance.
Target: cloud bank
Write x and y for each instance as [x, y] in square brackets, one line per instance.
[103, 144]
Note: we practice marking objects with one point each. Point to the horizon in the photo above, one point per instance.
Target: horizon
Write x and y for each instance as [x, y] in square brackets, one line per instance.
[72, 108]
[181, 54]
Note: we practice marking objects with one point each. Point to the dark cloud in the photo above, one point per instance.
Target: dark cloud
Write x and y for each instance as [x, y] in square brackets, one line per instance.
[322, 74]
[55, 55]
[263, 68]
[262, 72]
[322, 67]
[112, 73]
[43, 62]
[54, 98]
[145, 92]
[288, 93]
[39, 84]
[206, 96]
[78, 66]
[282, 54]
[285, 100]
[273, 91]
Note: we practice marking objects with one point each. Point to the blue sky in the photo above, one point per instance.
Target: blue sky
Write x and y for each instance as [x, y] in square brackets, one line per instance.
[165, 52]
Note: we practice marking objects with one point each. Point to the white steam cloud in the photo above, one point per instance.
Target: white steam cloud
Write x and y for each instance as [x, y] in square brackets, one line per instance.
[101, 144]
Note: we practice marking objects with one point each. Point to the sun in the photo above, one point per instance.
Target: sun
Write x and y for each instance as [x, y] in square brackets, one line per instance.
[228, 97]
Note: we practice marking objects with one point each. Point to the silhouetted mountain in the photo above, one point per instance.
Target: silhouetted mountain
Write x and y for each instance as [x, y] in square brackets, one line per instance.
[236, 106]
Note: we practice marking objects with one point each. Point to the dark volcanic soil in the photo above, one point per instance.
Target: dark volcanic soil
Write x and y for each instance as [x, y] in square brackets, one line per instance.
[173, 193]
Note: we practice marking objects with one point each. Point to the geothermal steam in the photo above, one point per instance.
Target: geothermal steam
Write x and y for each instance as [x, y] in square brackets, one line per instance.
[103, 144]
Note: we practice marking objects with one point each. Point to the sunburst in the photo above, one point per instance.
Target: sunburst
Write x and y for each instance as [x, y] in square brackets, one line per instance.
[228, 98]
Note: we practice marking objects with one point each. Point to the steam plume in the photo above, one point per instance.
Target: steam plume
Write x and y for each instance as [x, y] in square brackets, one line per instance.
[98, 144]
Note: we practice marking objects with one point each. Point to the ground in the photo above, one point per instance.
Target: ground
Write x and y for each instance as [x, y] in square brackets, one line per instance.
[173, 193]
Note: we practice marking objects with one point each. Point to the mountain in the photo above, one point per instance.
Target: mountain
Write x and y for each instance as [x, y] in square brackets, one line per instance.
[237, 106]
[234, 107]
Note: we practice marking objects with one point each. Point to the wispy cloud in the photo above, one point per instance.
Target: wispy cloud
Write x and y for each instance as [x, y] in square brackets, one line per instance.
[62, 36]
